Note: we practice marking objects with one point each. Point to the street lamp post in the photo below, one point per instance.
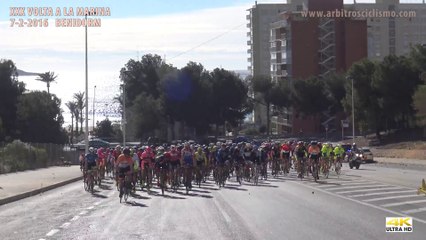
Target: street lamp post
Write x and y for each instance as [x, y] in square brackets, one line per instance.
[124, 114]
[353, 112]
[94, 95]
[86, 134]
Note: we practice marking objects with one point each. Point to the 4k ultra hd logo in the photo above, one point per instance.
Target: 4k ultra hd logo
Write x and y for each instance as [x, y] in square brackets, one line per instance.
[399, 224]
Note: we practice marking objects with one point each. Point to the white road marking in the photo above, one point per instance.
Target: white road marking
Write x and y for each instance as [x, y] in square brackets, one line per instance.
[362, 182]
[224, 214]
[75, 218]
[393, 197]
[65, 225]
[362, 203]
[83, 212]
[369, 190]
[380, 193]
[97, 203]
[402, 203]
[52, 232]
[416, 210]
[354, 187]
[90, 208]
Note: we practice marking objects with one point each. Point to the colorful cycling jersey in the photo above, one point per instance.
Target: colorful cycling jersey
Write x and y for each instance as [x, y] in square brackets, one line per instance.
[222, 155]
[338, 151]
[285, 147]
[101, 153]
[200, 157]
[300, 151]
[91, 157]
[174, 155]
[124, 160]
[314, 150]
[147, 156]
[187, 155]
[326, 150]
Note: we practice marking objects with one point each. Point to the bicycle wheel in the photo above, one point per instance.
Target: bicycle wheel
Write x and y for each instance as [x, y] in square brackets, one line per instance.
[86, 184]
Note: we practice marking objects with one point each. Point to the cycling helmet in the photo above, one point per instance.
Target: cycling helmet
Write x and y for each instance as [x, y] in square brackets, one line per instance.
[126, 151]
[314, 143]
[91, 149]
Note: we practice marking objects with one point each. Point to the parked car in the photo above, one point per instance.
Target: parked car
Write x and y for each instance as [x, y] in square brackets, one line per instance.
[94, 142]
[366, 154]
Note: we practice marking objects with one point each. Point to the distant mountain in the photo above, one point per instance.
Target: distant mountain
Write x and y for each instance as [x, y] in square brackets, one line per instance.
[23, 73]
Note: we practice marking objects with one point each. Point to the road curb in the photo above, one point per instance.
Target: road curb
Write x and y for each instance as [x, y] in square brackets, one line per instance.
[37, 191]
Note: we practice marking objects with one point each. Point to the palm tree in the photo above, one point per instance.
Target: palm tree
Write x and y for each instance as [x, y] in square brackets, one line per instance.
[79, 97]
[47, 77]
[72, 106]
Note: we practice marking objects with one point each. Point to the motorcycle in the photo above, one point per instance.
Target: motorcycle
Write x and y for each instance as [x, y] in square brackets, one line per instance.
[355, 160]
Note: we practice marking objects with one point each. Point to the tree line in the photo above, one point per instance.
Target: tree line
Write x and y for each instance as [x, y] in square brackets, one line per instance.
[383, 92]
[31, 116]
[157, 95]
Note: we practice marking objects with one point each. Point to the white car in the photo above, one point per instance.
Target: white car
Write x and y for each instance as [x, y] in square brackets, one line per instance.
[366, 155]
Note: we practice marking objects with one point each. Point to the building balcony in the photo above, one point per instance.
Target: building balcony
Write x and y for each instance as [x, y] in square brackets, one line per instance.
[249, 43]
[276, 60]
[248, 25]
[249, 51]
[249, 59]
[248, 17]
[248, 34]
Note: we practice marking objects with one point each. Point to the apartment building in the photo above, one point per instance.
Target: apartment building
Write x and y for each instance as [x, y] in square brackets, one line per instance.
[298, 48]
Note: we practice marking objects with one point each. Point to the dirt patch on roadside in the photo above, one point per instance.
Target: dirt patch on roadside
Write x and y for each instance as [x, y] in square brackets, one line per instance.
[410, 150]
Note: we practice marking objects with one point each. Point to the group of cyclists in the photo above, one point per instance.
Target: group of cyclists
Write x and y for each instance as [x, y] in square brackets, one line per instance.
[174, 165]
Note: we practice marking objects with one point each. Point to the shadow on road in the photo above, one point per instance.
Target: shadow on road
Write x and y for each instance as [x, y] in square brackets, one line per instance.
[209, 188]
[192, 194]
[137, 196]
[96, 194]
[135, 204]
[105, 187]
[233, 187]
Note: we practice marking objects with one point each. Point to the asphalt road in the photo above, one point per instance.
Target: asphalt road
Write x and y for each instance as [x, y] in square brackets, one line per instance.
[353, 206]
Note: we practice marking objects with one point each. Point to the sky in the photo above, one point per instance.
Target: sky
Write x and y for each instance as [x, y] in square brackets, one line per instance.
[215, 30]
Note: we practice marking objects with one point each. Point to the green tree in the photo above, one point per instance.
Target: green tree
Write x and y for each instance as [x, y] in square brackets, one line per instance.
[80, 101]
[148, 115]
[309, 96]
[39, 118]
[366, 107]
[72, 107]
[10, 90]
[104, 129]
[335, 91]
[264, 86]
[396, 81]
[47, 77]
[229, 98]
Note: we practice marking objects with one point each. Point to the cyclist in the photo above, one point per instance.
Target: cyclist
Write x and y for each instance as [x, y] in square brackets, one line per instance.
[101, 161]
[262, 161]
[124, 164]
[201, 161]
[161, 164]
[222, 156]
[187, 161]
[285, 155]
[338, 151]
[147, 162]
[314, 152]
[325, 155]
[90, 160]
[300, 153]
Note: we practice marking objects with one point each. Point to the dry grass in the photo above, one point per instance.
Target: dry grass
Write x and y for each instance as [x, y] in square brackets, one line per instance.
[411, 150]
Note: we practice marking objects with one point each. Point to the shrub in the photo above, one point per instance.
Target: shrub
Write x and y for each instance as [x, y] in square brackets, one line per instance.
[19, 156]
